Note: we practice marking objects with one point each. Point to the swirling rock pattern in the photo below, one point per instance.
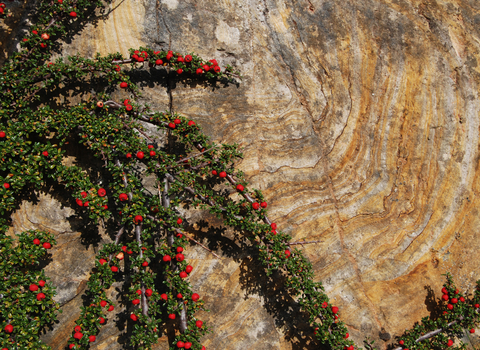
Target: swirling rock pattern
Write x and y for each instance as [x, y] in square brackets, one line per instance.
[360, 122]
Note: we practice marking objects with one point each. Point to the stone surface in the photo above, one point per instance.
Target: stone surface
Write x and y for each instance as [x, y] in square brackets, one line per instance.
[360, 122]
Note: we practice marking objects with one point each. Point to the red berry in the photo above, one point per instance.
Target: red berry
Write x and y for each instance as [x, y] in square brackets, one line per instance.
[117, 68]
[152, 153]
[40, 296]
[180, 344]
[188, 345]
[114, 269]
[462, 299]
[102, 261]
[445, 297]
[101, 192]
[263, 204]
[92, 338]
[126, 102]
[450, 342]
[140, 155]
[47, 245]
[41, 283]
[6, 185]
[472, 330]
[166, 258]
[73, 14]
[223, 174]
[179, 59]
[287, 253]
[139, 292]
[183, 274]
[138, 219]
[128, 107]
[334, 309]
[145, 264]
[240, 188]
[45, 36]
[158, 62]
[216, 69]
[401, 342]
[36, 241]
[179, 221]
[33, 288]
[78, 335]
[101, 320]
[2, 134]
[273, 226]
[123, 85]
[179, 296]
[77, 329]
[179, 71]
[188, 269]
[164, 296]
[71, 346]
[149, 292]
[8, 328]
[195, 297]
[171, 316]
[103, 303]
[191, 122]
[45, 153]
[199, 71]
[86, 204]
[199, 324]
[179, 249]
[477, 306]
[171, 125]
[123, 197]
[444, 290]
[110, 308]
[450, 306]
[255, 206]
[214, 172]
[128, 155]
[136, 301]
[454, 301]
[179, 257]
[206, 67]
[177, 121]
[43, 45]
[134, 317]
[346, 336]
[214, 62]
[188, 58]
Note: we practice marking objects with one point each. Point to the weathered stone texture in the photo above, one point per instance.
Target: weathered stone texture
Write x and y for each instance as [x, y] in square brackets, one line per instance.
[360, 122]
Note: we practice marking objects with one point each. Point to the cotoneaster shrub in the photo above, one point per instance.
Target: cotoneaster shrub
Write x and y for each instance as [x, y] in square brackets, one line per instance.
[190, 170]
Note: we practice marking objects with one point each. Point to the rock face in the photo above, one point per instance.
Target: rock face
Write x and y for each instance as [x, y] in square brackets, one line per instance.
[360, 122]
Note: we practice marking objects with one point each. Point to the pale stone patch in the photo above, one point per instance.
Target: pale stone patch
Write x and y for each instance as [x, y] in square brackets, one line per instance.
[228, 35]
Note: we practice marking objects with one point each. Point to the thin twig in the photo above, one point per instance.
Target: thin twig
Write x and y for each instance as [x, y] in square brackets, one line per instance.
[193, 240]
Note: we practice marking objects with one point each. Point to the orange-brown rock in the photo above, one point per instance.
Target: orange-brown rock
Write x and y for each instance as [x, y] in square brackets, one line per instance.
[360, 122]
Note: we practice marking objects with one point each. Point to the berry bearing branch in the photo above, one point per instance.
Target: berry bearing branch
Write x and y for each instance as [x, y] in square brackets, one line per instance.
[149, 227]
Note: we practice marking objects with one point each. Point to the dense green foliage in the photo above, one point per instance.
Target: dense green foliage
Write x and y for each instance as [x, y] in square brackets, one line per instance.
[190, 170]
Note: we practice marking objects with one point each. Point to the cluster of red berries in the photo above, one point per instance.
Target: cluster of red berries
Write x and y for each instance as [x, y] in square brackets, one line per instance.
[453, 300]
[79, 335]
[45, 245]
[101, 193]
[34, 288]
